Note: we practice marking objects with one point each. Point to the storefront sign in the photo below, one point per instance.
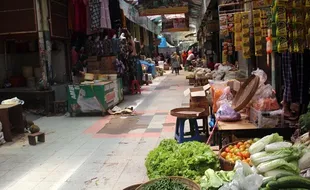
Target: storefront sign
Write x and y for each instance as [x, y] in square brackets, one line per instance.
[175, 24]
[160, 7]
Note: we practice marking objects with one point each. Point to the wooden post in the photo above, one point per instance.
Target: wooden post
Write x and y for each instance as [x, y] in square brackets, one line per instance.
[41, 43]
[45, 46]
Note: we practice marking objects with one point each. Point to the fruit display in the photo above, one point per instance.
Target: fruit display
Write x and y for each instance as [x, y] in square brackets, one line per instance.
[238, 151]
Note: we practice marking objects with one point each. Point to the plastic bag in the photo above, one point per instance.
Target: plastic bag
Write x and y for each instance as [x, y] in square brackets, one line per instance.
[264, 91]
[13, 101]
[262, 76]
[217, 88]
[226, 97]
[244, 178]
[266, 104]
[226, 113]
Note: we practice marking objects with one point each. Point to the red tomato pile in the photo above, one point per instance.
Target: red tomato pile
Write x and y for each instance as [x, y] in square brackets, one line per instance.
[239, 151]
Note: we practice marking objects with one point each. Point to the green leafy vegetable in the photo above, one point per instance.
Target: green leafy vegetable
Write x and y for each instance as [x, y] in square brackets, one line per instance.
[189, 159]
[285, 153]
[214, 180]
[166, 184]
[277, 164]
[277, 146]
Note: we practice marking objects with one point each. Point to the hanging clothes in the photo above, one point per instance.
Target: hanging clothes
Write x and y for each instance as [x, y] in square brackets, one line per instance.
[107, 47]
[115, 46]
[89, 44]
[105, 14]
[95, 14]
[120, 67]
[80, 15]
[287, 76]
[293, 77]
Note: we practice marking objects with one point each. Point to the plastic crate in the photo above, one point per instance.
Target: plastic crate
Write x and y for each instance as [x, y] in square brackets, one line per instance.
[266, 119]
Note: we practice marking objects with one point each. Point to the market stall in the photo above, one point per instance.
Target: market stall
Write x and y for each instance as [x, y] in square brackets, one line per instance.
[94, 97]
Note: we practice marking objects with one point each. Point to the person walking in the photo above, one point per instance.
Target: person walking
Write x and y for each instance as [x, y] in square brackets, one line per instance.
[189, 59]
[175, 62]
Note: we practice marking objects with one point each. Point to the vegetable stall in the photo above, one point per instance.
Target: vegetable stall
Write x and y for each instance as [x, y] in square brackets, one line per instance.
[268, 163]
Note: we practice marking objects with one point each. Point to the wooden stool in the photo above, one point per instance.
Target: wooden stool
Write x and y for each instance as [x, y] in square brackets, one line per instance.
[32, 138]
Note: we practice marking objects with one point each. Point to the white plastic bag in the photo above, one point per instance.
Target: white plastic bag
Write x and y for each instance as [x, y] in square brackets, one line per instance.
[244, 178]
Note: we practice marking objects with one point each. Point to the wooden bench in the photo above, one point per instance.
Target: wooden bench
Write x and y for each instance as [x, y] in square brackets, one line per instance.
[32, 138]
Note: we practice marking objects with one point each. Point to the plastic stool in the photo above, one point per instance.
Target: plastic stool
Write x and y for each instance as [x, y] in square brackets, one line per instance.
[180, 134]
[135, 87]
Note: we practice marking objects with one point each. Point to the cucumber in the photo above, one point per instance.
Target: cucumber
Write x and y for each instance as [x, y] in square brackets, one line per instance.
[266, 180]
[278, 176]
[290, 182]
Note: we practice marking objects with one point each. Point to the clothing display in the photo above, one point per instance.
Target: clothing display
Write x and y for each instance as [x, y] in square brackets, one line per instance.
[95, 15]
[293, 77]
[115, 46]
[79, 15]
[105, 20]
[107, 47]
[120, 67]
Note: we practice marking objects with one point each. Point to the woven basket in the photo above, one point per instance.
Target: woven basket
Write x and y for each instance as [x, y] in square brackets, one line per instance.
[225, 165]
[133, 187]
[189, 183]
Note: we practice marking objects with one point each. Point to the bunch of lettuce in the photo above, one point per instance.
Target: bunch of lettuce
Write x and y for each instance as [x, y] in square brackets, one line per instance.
[189, 159]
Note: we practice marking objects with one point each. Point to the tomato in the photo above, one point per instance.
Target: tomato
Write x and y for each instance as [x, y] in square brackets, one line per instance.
[224, 154]
[237, 158]
[236, 151]
[239, 154]
[246, 154]
[249, 141]
[230, 146]
[247, 145]
[242, 147]
[227, 149]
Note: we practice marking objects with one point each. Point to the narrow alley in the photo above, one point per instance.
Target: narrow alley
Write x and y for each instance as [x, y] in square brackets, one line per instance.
[95, 152]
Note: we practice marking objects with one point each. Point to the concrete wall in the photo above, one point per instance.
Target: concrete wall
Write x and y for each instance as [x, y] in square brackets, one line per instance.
[17, 61]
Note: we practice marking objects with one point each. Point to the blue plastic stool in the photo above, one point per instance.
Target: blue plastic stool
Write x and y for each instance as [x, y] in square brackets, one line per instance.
[180, 134]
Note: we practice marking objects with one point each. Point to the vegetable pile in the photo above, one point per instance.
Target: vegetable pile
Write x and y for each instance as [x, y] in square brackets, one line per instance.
[286, 181]
[271, 156]
[213, 180]
[239, 151]
[166, 184]
[189, 159]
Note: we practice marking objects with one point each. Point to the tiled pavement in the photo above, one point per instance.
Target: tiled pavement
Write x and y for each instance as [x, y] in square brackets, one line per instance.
[79, 153]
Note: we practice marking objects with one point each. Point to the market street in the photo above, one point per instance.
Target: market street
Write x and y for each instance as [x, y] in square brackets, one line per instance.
[95, 152]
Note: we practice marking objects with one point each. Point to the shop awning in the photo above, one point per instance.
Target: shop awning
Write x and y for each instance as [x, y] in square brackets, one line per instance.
[132, 14]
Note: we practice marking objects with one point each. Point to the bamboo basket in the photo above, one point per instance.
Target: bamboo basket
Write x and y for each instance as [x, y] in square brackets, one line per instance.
[133, 187]
[189, 183]
[225, 165]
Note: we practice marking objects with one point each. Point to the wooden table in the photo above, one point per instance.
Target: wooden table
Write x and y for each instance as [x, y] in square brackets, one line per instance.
[245, 129]
[11, 117]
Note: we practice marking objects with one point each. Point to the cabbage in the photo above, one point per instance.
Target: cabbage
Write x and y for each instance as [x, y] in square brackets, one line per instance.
[214, 180]
[277, 164]
[286, 153]
[260, 144]
[277, 146]
[304, 161]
